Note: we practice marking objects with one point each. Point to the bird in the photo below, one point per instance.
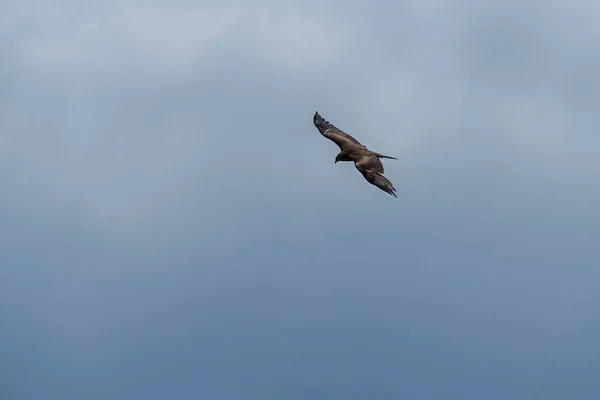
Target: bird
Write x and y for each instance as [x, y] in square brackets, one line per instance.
[366, 161]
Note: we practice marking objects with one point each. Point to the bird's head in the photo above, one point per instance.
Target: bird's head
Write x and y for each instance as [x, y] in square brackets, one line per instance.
[343, 156]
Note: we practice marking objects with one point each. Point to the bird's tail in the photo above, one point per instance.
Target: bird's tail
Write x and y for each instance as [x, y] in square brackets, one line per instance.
[382, 156]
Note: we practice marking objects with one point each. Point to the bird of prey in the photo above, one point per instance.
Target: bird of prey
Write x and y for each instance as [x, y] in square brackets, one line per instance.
[366, 161]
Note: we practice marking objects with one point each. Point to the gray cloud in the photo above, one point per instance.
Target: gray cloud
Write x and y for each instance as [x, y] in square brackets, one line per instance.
[174, 226]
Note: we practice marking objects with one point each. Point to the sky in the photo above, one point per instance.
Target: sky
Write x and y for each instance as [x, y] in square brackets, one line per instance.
[174, 226]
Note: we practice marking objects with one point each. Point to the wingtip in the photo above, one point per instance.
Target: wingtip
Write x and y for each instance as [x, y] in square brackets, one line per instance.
[317, 119]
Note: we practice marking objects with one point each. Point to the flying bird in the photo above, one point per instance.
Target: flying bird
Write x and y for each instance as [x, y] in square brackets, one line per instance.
[366, 161]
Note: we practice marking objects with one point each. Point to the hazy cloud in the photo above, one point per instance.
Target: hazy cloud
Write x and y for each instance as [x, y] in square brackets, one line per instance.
[175, 226]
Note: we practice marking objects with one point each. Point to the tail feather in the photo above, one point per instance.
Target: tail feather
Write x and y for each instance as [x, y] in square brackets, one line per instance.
[382, 156]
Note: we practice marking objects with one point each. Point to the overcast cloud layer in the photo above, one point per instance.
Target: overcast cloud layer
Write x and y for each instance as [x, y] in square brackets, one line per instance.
[174, 227]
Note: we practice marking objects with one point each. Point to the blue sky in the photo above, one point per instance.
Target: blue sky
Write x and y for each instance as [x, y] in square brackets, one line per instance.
[173, 225]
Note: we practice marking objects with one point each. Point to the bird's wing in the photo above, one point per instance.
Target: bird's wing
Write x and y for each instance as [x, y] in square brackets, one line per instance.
[331, 132]
[371, 162]
[372, 170]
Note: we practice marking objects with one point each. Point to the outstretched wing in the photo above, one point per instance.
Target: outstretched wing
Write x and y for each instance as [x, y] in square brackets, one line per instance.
[331, 132]
[371, 162]
[372, 169]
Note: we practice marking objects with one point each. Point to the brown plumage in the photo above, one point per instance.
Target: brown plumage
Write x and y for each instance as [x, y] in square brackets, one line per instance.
[366, 161]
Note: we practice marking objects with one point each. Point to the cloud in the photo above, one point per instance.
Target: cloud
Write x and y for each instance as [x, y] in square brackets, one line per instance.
[136, 37]
[133, 108]
[100, 96]
[173, 222]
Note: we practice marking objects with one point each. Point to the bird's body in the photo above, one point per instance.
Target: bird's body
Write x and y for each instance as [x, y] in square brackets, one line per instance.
[367, 162]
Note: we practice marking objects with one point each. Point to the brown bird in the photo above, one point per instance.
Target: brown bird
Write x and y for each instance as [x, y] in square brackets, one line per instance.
[366, 161]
